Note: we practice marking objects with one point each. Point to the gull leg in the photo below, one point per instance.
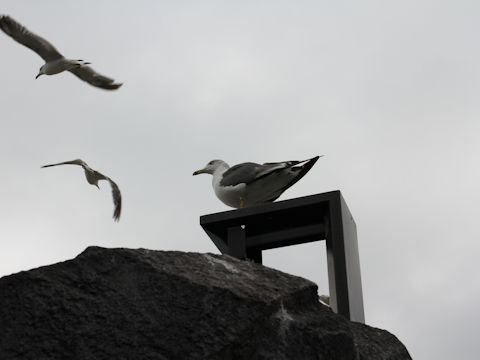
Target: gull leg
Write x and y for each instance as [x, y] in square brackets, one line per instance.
[242, 204]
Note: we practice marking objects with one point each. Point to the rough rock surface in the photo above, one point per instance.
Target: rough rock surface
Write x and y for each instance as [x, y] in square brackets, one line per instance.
[143, 304]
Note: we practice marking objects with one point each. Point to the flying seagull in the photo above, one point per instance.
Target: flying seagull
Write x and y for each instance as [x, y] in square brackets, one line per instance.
[93, 177]
[54, 61]
[249, 183]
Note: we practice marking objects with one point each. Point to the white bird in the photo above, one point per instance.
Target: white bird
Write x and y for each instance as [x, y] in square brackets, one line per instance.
[54, 61]
[93, 177]
[249, 183]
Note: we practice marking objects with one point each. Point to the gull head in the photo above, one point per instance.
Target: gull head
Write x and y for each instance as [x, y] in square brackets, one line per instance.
[93, 181]
[41, 72]
[212, 166]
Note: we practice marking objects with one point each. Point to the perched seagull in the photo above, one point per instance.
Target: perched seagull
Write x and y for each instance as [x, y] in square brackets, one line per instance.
[93, 177]
[54, 61]
[249, 183]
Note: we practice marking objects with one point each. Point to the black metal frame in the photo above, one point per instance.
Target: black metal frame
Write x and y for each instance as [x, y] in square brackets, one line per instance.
[245, 233]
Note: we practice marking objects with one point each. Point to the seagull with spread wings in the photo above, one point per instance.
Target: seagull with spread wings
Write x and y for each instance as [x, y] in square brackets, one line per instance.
[54, 61]
[93, 177]
[249, 183]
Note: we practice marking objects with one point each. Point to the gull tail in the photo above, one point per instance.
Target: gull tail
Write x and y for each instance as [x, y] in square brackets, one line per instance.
[81, 63]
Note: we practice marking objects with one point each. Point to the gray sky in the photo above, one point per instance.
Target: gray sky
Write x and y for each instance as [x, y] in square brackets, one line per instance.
[387, 90]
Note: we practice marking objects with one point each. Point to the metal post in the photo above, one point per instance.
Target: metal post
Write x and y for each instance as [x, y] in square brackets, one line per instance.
[236, 242]
[245, 233]
[343, 263]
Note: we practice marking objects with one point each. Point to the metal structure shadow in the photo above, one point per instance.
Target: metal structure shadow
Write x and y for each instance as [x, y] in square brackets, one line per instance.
[245, 233]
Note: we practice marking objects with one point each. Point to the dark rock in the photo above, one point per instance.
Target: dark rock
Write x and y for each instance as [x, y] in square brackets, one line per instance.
[378, 344]
[142, 304]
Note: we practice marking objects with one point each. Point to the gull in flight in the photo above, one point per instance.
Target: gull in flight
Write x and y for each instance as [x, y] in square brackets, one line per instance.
[93, 177]
[249, 183]
[54, 61]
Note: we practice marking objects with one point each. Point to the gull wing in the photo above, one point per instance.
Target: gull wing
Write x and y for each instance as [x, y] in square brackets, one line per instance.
[117, 199]
[72, 162]
[246, 173]
[117, 196]
[239, 174]
[25, 37]
[86, 73]
[294, 172]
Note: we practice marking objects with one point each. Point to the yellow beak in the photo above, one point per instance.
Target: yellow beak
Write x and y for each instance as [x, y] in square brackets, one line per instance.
[201, 171]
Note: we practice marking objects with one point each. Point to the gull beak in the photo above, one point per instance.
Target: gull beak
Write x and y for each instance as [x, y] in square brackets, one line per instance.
[201, 171]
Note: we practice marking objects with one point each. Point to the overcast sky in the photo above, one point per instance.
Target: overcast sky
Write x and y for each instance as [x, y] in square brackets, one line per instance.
[387, 90]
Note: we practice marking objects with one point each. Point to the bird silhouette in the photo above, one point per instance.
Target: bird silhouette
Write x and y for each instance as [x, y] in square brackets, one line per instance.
[55, 62]
[93, 177]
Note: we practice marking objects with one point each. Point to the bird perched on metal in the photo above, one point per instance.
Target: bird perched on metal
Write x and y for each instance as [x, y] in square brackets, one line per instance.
[249, 183]
[54, 61]
[93, 177]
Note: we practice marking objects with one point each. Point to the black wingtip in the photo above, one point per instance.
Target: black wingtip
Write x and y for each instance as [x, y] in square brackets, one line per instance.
[302, 170]
[116, 215]
[313, 160]
[116, 86]
[3, 23]
[113, 86]
[118, 207]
